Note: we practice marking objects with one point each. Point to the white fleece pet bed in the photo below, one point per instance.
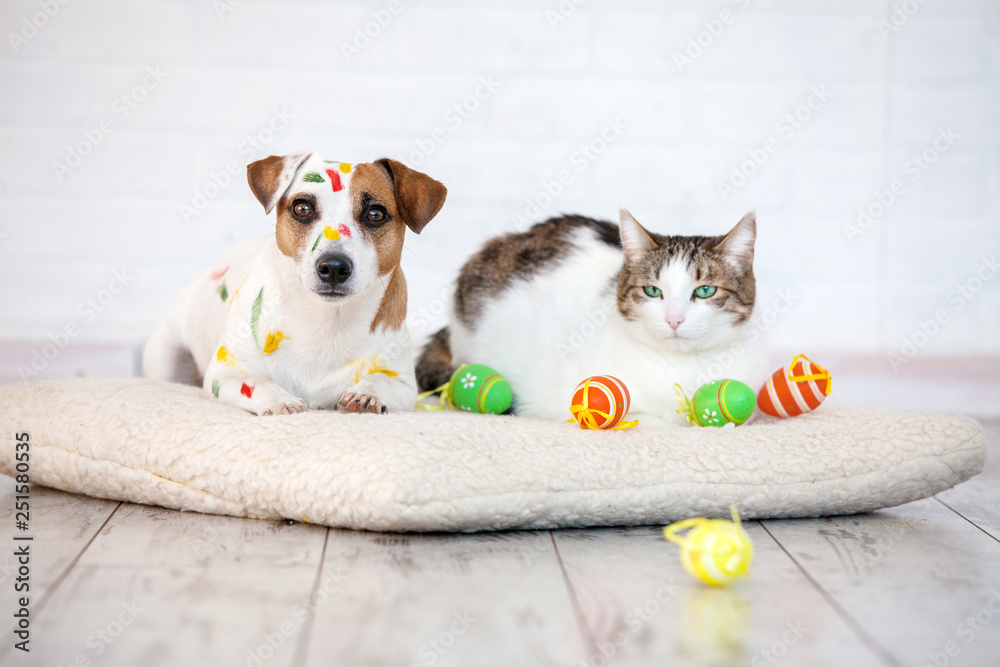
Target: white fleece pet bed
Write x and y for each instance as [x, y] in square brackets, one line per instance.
[174, 446]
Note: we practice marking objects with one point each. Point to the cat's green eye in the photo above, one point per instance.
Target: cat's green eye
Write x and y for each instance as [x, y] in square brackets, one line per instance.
[704, 291]
[652, 291]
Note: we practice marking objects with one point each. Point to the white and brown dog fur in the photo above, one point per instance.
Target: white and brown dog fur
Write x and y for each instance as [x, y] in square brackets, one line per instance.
[312, 317]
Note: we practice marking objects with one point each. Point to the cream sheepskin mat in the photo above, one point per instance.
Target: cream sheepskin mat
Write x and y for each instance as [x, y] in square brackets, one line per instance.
[175, 446]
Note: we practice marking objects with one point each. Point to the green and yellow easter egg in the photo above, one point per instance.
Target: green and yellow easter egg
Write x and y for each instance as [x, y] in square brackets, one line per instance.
[479, 388]
[722, 402]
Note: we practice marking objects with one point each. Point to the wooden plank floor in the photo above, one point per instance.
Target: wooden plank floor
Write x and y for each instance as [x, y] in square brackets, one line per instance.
[121, 584]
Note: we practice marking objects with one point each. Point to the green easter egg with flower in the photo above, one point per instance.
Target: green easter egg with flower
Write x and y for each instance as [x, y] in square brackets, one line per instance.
[479, 388]
[723, 401]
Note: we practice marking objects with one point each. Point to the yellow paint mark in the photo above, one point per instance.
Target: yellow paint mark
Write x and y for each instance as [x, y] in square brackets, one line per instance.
[358, 365]
[233, 297]
[365, 367]
[226, 357]
[331, 233]
[345, 167]
[273, 340]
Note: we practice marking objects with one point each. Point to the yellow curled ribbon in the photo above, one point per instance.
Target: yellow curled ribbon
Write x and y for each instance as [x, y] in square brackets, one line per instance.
[822, 375]
[686, 408]
[584, 414]
[445, 398]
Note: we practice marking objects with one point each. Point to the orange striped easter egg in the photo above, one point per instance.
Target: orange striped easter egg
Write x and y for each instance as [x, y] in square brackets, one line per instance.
[797, 388]
[600, 402]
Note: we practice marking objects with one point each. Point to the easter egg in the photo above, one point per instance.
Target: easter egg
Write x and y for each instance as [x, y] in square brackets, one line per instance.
[600, 402]
[479, 388]
[716, 551]
[722, 401]
[799, 387]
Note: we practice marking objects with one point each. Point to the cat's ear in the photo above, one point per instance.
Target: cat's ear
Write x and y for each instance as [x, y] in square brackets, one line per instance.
[737, 245]
[636, 241]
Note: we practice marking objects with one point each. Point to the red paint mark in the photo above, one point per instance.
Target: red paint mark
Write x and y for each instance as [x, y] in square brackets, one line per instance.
[344, 231]
[335, 180]
[218, 274]
[246, 390]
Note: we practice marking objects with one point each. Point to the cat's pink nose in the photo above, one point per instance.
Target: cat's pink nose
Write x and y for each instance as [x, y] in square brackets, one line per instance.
[675, 323]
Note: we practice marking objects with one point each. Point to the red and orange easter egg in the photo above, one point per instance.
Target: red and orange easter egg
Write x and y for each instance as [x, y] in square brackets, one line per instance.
[600, 402]
[799, 387]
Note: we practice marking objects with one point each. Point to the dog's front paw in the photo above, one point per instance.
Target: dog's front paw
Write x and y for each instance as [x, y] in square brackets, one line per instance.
[351, 402]
[287, 407]
[255, 395]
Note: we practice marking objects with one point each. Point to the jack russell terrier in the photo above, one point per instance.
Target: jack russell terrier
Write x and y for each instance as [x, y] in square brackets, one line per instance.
[313, 317]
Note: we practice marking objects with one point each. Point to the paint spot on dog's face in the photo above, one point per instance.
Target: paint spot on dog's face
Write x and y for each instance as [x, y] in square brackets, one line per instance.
[335, 182]
[352, 211]
[311, 211]
[315, 220]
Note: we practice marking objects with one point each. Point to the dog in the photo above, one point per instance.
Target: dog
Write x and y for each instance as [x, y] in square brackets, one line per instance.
[312, 317]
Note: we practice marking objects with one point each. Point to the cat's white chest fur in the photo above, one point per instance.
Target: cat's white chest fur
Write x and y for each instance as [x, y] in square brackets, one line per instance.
[549, 332]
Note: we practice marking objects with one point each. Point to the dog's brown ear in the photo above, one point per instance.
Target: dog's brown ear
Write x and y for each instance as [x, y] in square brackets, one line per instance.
[418, 196]
[270, 177]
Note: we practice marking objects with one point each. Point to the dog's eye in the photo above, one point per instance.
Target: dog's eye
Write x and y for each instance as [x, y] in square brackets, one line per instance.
[301, 208]
[375, 216]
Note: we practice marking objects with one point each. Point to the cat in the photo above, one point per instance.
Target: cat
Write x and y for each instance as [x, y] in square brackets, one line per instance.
[574, 297]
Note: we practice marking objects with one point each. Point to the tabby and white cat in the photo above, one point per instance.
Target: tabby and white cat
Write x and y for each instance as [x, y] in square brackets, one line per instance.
[574, 297]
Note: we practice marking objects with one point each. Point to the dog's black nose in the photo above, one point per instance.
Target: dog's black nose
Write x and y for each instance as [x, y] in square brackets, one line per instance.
[334, 269]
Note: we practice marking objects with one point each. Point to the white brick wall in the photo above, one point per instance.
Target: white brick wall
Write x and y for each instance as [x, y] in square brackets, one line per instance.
[685, 129]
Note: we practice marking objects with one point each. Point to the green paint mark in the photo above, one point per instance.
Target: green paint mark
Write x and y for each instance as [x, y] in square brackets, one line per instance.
[255, 315]
[223, 292]
[318, 239]
[313, 177]
[329, 161]
[215, 388]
